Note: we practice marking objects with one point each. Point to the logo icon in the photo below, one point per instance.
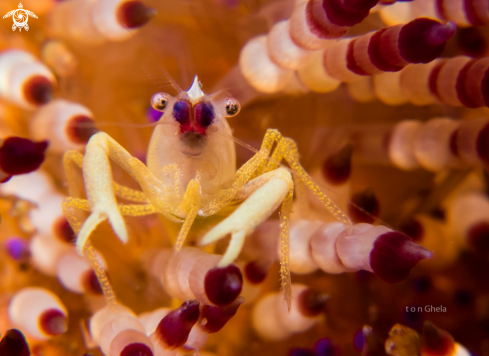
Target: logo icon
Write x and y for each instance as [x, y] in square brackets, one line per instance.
[20, 17]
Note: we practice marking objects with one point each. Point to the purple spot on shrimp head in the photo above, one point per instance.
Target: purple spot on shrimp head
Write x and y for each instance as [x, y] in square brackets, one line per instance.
[204, 114]
[393, 256]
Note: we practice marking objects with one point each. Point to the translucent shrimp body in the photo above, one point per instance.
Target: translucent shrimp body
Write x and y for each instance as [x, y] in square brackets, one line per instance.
[180, 152]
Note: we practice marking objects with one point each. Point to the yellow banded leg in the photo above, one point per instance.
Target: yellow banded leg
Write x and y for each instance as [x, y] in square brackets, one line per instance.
[99, 187]
[190, 207]
[89, 252]
[120, 191]
[252, 169]
[284, 247]
[288, 148]
[264, 195]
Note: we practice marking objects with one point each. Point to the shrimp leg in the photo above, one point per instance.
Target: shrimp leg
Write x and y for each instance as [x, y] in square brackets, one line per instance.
[100, 190]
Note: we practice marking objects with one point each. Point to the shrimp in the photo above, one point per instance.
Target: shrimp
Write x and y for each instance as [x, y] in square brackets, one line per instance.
[190, 172]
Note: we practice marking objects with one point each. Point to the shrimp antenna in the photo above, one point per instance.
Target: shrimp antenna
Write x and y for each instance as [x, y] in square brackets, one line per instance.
[168, 78]
[119, 124]
[239, 142]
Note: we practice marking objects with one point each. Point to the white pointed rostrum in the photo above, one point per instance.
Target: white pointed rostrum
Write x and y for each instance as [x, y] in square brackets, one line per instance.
[195, 92]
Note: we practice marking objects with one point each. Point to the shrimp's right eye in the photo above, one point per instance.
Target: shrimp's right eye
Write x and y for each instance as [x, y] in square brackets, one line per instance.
[181, 111]
[159, 101]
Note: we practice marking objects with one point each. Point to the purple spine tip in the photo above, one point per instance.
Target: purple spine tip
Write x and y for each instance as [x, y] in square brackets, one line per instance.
[324, 347]
[214, 318]
[393, 256]
[173, 329]
[423, 39]
[136, 349]
[17, 248]
[20, 155]
[13, 343]
[372, 346]
[439, 34]
[223, 285]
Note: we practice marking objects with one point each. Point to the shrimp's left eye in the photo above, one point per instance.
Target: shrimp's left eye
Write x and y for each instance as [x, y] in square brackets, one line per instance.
[159, 101]
[232, 107]
[181, 111]
[204, 114]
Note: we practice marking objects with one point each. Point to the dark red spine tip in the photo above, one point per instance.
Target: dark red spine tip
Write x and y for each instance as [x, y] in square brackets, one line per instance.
[256, 271]
[435, 341]
[422, 40]
[482, 144]
[214, 318]
[134, 14]
[173, 329]
[478, 237]
[63, 230]
[347, 12]
[372, 345]
[364, 207]
[80, 128]
[312, 302]
[20, 155]
[393, 256]
[223, 285]
[413, 229]
[38, 90]
[13, 343]
[91, 284]
[136, 349]
[53, 322]
[337, 168]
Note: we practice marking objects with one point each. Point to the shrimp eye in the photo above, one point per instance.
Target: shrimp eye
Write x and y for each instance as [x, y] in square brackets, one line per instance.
[232, 107]
[181, 111]
[204, 114]
[159, 101]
